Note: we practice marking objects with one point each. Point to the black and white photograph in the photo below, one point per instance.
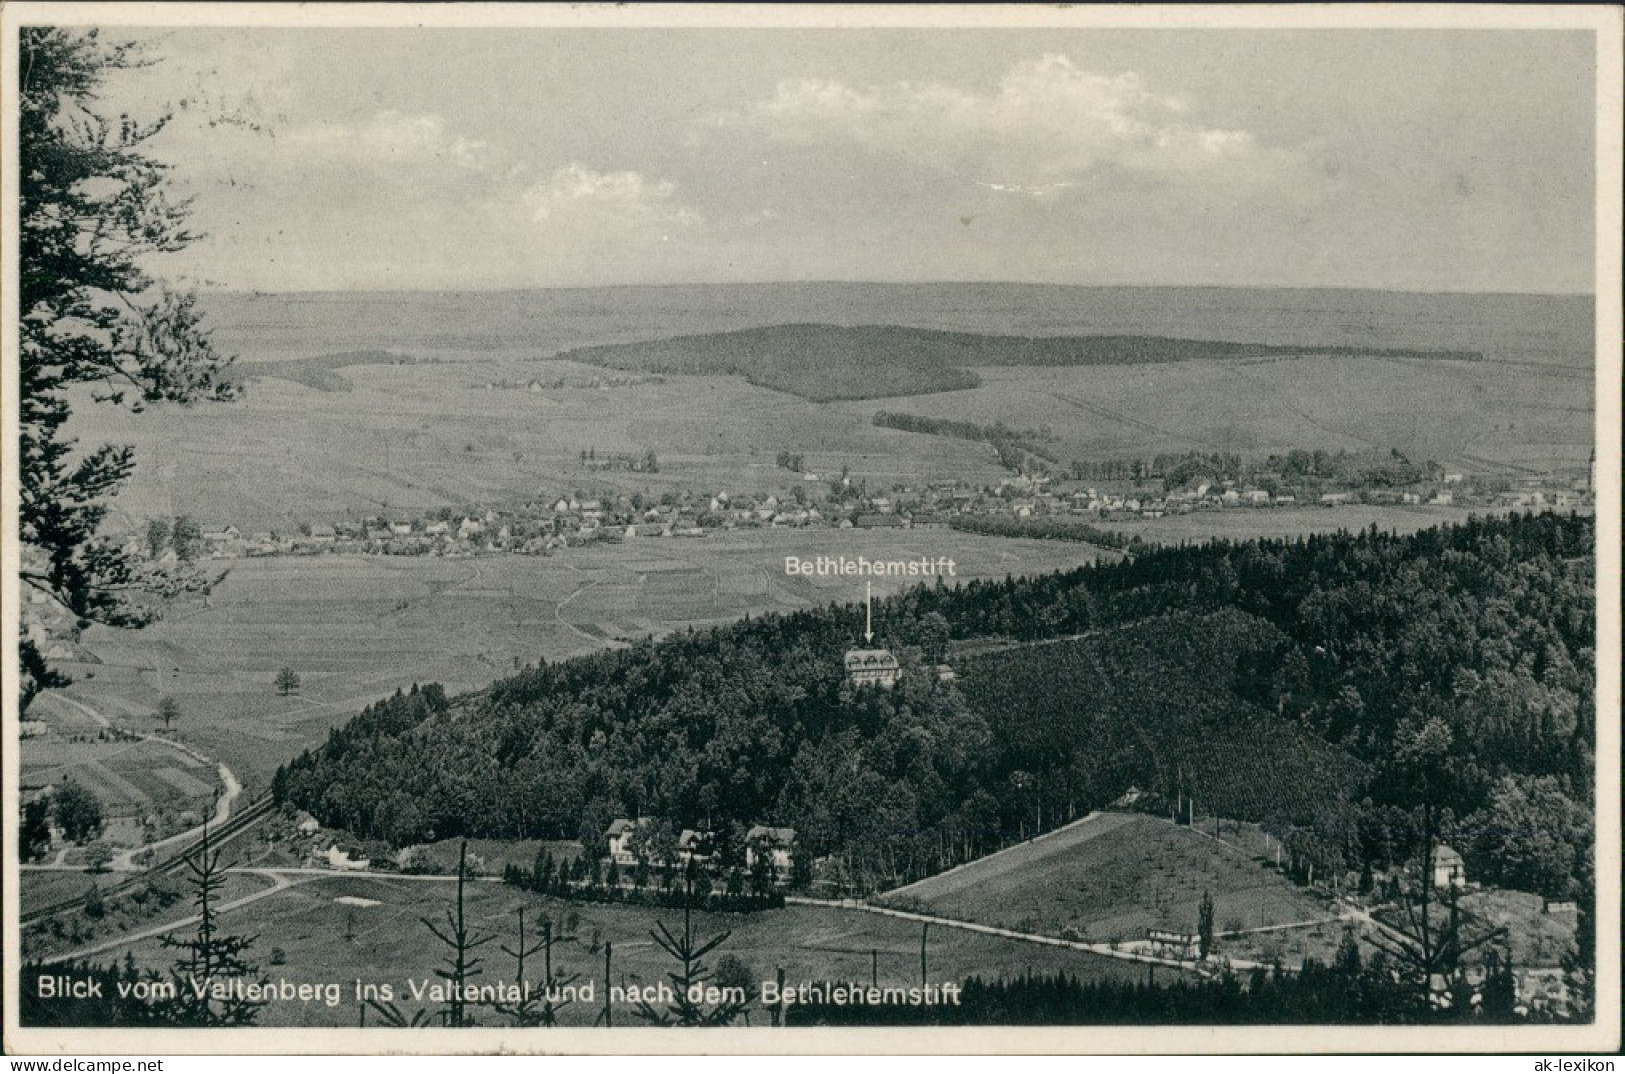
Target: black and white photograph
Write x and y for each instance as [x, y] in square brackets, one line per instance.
[560, 528]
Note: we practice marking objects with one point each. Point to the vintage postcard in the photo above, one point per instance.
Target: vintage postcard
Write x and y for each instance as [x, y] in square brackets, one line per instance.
[709, 529]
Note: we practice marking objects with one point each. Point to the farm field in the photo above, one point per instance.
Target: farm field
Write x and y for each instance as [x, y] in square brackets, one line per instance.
[357, 628]
[131, 778]
[1116, 875]
[40, 888]
[1475, 416]
[368, 937]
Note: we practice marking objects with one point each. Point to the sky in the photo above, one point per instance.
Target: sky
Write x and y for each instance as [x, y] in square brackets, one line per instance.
[453, 158]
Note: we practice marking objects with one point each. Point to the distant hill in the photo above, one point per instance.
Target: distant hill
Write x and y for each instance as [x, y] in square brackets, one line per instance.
[1548, 329]
[823, 362]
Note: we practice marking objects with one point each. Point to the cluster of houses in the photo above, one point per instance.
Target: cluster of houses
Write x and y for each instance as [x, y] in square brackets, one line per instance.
[541, 526]
[765, 847]
[600, 382]
[1043, 496]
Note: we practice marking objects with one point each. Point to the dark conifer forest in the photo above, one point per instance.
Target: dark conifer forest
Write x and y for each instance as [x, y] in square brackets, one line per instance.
[1355, 693]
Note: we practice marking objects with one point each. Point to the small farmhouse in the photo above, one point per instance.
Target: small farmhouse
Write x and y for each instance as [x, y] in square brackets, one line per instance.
[1183, 946]
[1449, 870]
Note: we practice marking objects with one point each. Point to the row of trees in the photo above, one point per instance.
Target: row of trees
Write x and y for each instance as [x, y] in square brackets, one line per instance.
[1046, 529]
[1019, 450]
[181, 534]
[1298, 467]
[647, 463]
[1350, 990]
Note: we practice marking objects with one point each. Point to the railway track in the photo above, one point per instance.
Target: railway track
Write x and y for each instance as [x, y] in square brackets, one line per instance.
[172, 861]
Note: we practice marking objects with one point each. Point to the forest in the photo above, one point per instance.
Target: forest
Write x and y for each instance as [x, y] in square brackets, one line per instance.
[1358, 694]
[824, 362]
[1349, 991]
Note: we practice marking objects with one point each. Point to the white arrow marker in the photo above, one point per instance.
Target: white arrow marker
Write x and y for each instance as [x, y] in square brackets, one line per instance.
[868, 617]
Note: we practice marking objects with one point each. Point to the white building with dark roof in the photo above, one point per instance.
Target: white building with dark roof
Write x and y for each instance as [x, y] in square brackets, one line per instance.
[872, 667]
[1449, 869]
[776, 845]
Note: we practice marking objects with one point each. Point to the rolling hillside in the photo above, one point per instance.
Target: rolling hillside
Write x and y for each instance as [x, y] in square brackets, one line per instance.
[1312, 685]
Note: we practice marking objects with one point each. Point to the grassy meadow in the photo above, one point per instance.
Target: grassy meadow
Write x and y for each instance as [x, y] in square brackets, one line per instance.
[1116, 875]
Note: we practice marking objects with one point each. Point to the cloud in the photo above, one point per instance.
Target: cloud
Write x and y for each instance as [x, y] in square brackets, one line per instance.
[392, 135]
[379, 143]
[396, 198]
[1047, 128]
[623, 198]
[354, 159]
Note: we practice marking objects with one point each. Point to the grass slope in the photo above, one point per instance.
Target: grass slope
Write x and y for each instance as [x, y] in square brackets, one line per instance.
[1114, 875]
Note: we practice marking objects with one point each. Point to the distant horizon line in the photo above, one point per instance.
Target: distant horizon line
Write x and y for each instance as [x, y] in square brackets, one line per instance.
[261, 292]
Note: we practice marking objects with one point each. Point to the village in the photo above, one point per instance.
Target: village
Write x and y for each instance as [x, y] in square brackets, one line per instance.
[581, 516]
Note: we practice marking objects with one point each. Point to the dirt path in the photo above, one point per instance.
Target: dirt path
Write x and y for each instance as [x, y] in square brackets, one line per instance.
[281, 879]
[278, 885]
[558, 613]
